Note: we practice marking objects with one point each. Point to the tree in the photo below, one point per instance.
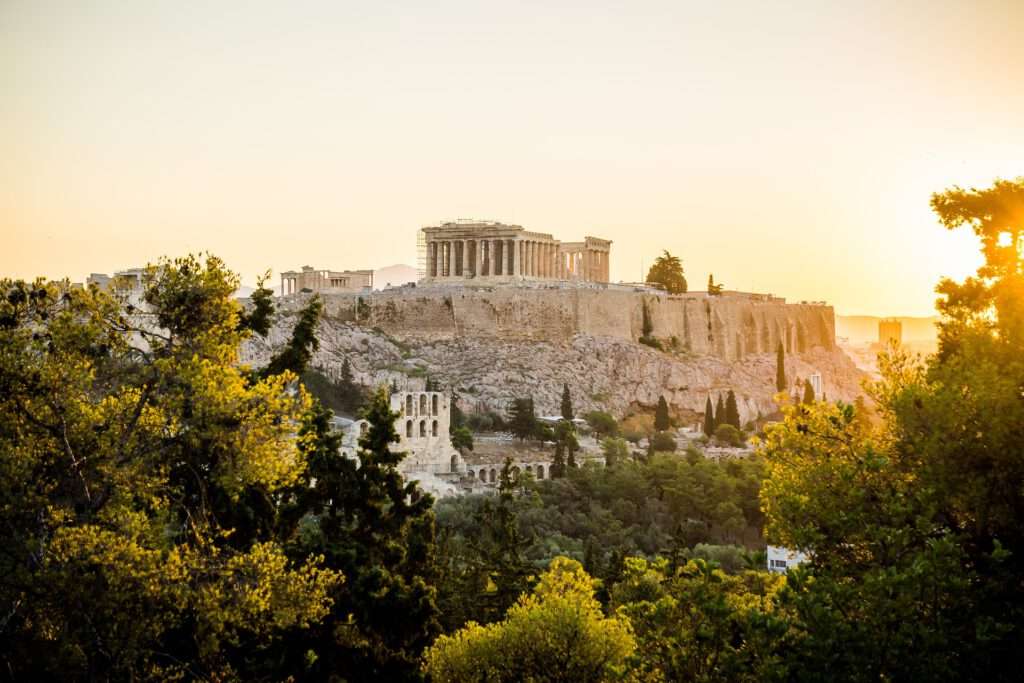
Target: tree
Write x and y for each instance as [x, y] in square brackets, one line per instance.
[602, 423]
[713, 289]
[565, 437]
[379, 530]
[732, 413]
[662, 421]
[780, 368]
[719, 412]
[700, 624]
[567, 413]
[667, 272]
[557, 633]
[911, 519]
[808, 392]
[709, 418]
[615, 451]
[462, 439]
[522, 420]
[728, 434]
[142, 475]
[662, 442]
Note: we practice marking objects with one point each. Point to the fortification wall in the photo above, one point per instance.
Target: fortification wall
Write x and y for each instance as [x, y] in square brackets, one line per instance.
[728, 327]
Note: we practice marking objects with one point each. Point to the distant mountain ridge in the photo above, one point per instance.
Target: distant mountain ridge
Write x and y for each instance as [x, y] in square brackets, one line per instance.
[395, 276]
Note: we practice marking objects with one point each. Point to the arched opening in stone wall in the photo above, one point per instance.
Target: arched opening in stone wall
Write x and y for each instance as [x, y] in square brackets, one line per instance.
[408, 428]
[423, 404]
[455, 463]
[423, 427]
[433, 428]
[494, 475]
[540, 471]
[408, 405]
[433, 404]
[363, 428]
[471, 473]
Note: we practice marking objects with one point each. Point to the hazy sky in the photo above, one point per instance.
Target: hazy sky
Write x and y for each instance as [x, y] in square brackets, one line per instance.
[787, 147]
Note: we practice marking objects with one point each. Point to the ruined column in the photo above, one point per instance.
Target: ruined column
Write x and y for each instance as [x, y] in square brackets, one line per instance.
[510, 262]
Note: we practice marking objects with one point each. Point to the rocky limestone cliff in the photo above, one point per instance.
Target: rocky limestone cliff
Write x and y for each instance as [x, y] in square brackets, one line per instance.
[493, 345]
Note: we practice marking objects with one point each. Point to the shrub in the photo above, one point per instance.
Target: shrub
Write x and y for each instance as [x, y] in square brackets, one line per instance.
[663, 442]
[729, 435]
[602, 423]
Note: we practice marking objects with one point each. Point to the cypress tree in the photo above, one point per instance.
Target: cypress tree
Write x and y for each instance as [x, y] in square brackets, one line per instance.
[566, 403]
[780, 368]
[808, 392]
[661, 419]
[379, 531]
[732, 413]
[719, 412]
[709, 417]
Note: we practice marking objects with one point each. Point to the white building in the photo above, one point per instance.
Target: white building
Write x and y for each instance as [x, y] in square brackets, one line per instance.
[781, 559]
[815, 380]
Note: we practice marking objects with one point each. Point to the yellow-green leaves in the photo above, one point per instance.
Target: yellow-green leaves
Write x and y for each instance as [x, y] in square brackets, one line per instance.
[557, 633]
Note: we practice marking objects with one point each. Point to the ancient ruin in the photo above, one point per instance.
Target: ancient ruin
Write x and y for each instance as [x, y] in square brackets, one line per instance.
[462, 250]
[311, 279]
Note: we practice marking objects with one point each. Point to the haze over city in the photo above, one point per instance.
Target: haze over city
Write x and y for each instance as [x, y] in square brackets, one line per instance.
[786, 148]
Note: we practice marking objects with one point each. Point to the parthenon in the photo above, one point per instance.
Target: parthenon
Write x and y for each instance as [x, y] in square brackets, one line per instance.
[461, 250]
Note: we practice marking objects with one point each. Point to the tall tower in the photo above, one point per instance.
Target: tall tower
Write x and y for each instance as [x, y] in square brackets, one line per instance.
[890, 332]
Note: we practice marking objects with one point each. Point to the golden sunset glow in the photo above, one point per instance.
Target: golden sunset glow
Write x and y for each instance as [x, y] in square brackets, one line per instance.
[787, 148]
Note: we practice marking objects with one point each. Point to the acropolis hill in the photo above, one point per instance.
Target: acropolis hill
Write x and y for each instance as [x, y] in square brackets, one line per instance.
[494, 343]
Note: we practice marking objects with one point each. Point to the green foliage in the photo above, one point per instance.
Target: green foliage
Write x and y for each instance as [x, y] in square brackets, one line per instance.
[485, 421]
[142, 473]
[713, 289]
[483, 566]
[663, 442]
[615, 451]
[259, 318]
[379, 530]
[566, 441]
[567, 413]
[667, 273]
[663, 506]
[732, 413]
[556, 633]
[295, 356]
[780, 368]
[808, 392]
[912, 520]
[602, 423]
[728, 435]
[709, 418]
[699, 624]
[522, 421]
[462, 439]
[662, 421]
[719, 412]
[344, 397]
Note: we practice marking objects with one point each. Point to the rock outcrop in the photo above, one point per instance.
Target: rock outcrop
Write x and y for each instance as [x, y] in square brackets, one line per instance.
[493, 345]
